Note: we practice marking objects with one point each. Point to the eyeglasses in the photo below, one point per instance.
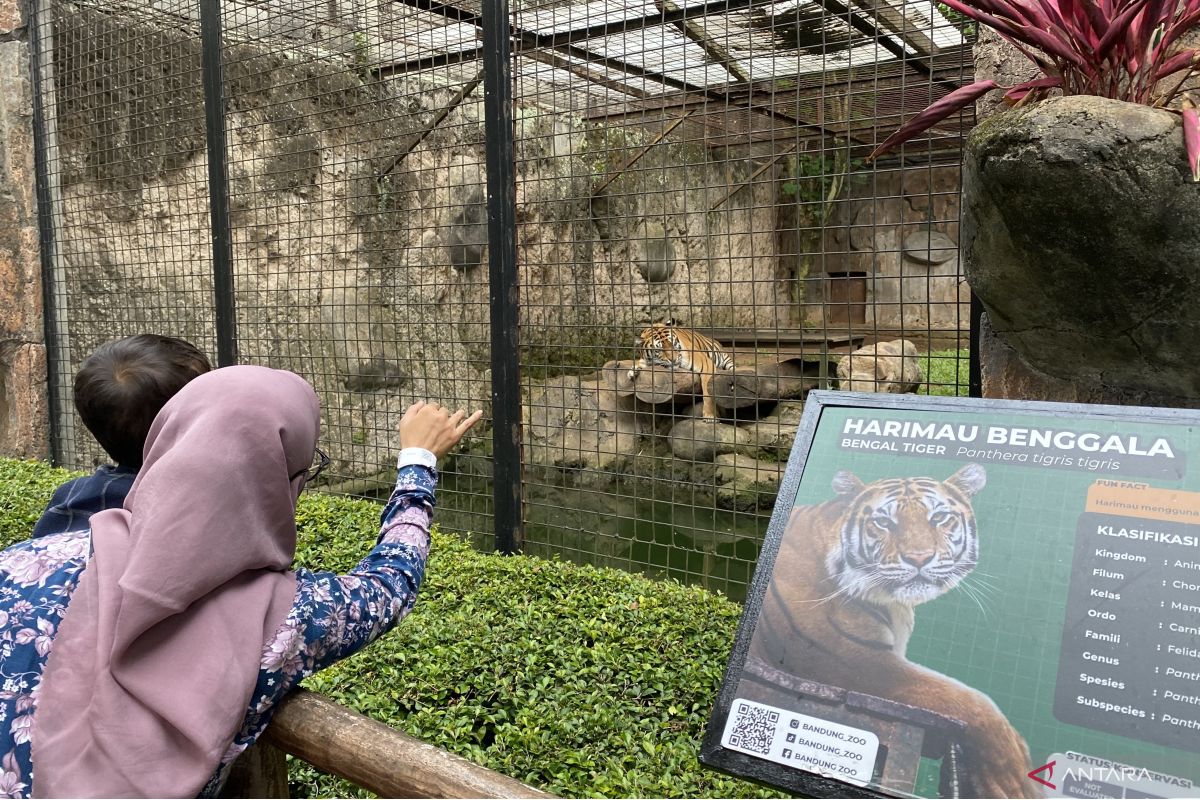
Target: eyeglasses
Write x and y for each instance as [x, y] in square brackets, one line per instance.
[311, 473]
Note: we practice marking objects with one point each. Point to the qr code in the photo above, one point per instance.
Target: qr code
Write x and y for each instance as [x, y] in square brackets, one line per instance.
[754, 728]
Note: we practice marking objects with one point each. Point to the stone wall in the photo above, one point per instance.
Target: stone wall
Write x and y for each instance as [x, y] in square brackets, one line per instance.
[360, 263]
[1005, 374]
[899, 230]
[23, 411]
[360, 259]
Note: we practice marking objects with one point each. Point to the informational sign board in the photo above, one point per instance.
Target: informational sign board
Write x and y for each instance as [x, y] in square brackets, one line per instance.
[974, 598]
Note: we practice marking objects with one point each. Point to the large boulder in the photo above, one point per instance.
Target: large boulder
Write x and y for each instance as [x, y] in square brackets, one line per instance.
[746, 484]
[1081, 235]
[890, 367]
[584, 424]
[699, 439]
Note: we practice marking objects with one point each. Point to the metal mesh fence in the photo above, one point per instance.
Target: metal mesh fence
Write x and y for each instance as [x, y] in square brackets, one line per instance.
[704, 163]
[695, 161]
[121, 105]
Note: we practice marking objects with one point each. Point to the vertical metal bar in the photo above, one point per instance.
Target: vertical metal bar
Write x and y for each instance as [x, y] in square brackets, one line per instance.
[49, 197]
[502, 265]
[975, 370]
[218, 185]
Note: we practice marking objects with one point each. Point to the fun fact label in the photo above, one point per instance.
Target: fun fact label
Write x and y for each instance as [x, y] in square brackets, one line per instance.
[801, 742]
[1047, 442]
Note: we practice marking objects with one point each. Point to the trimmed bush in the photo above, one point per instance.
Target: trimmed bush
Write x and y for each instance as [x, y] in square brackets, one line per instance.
[580, 681]
[25, 489]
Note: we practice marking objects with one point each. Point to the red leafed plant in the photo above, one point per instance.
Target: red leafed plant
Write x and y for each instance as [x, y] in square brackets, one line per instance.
[1129, 50]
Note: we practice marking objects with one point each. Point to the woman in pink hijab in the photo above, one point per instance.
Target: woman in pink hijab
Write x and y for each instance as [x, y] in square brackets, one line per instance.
[139, 658]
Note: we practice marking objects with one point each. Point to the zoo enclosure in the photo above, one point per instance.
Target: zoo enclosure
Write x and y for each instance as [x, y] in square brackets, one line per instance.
[484, 206]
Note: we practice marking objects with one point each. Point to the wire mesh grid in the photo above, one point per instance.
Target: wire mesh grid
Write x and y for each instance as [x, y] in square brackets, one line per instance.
[357, 209]
[121, 106]
[705, 163]
[701, 161]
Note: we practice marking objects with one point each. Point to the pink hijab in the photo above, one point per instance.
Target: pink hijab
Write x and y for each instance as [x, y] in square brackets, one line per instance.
[152, 670]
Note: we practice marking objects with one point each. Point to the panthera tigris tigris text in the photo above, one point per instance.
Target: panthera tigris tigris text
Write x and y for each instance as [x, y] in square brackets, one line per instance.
[667, 344]
[839, 607]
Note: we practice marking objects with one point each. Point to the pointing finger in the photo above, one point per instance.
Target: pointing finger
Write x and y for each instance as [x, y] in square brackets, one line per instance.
[469, 422]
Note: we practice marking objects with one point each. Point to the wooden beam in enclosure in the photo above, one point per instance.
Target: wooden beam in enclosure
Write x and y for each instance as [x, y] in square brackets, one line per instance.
[428, 128]
[581, 71]
[892, 18]
[641, 152]
[694, 31]
[751, 179]
[365, 752]
[563, 43]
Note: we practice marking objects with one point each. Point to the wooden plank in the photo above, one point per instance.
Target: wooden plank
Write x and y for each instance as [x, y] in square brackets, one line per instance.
[583, 72]
[694, 31]
[738, 336]
[754, 175]
[641, 152]
[428, 128]
[894, 20]
[379, 758]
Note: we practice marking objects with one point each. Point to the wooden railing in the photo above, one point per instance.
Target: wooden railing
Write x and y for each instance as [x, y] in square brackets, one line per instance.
[372, 755]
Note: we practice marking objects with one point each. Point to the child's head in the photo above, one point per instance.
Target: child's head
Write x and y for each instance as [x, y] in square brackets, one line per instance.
[121, 387]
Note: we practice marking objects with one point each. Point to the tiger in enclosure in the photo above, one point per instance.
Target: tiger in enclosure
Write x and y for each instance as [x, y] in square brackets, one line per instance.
[840, 606]
[671, 346]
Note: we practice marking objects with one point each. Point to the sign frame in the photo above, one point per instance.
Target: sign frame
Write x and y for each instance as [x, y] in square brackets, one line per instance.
[812, 784]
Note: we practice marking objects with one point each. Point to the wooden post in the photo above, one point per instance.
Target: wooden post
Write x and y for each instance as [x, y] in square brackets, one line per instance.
[261, 771]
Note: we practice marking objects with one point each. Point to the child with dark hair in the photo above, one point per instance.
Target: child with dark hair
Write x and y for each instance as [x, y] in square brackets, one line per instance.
[119, 390]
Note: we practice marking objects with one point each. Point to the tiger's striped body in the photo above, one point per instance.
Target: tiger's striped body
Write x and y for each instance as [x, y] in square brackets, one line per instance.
[671, 346]
[839, 608]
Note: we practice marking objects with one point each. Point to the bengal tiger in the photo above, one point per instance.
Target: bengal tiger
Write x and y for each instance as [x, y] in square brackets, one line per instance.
[839, 607]
[671, 346]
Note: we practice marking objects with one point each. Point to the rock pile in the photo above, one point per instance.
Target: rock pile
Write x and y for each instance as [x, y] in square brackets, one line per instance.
[606, 426]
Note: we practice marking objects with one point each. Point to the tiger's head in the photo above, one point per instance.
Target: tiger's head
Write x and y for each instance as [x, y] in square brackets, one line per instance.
[905, 540]
[650, 340]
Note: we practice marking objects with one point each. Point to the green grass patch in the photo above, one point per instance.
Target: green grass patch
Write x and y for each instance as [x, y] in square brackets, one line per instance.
[580, 681]
[946, 373]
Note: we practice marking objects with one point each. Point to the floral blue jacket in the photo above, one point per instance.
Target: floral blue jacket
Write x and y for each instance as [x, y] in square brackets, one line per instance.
[332, 617]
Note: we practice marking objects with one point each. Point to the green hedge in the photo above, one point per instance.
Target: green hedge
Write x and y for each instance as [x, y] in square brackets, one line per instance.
[583, 682]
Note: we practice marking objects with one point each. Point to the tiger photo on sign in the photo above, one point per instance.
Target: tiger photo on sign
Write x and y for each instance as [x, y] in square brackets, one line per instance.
[839, 608]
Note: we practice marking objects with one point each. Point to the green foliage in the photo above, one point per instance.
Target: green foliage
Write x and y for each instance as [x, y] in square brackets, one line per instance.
[581, 681]
[361, 57]
[816, 182]
[946, 373]
[25, 489]
[959, 20]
